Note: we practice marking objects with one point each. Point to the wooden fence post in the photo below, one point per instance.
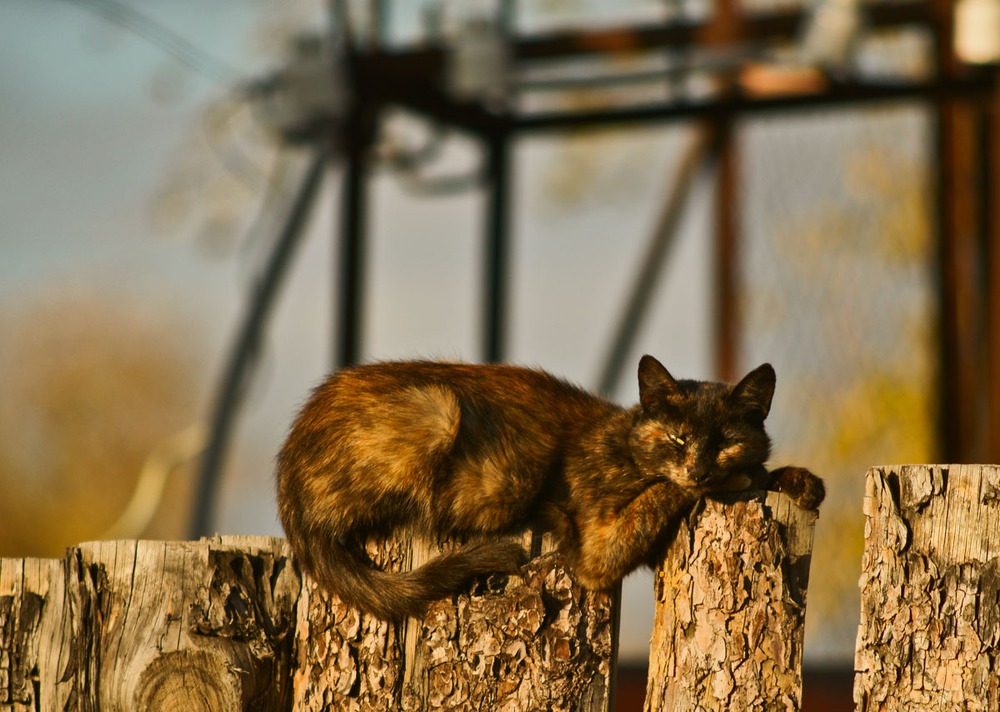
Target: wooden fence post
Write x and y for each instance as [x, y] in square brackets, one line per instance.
[227, 624]
[730, 608]
[929, 637]
[34, 635]
[149, 625]
[537, 641]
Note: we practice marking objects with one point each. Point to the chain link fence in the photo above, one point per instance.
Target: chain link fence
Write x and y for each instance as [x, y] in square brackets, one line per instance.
[838, 291]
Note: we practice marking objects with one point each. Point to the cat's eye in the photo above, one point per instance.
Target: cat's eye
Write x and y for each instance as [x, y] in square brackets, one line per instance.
[676, 439]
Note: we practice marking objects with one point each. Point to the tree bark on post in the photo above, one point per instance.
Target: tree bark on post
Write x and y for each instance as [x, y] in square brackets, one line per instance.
[537, 641]
[730, 608]
[929, 637]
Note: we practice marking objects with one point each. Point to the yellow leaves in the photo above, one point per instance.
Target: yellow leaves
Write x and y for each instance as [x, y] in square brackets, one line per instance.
[895, 187]
[884, 412]
[90, 385]
[843, 285]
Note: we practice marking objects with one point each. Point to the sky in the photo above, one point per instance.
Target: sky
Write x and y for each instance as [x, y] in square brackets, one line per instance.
[98, 124]
[94, 120]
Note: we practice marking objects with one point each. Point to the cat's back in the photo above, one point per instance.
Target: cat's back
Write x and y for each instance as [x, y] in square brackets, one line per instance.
[452, 389]
[403, 415]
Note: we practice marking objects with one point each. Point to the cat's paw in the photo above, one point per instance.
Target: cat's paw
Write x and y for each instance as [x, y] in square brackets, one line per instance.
[805, 488]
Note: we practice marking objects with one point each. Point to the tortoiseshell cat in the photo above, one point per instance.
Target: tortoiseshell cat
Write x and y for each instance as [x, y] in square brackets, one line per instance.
[477, 452]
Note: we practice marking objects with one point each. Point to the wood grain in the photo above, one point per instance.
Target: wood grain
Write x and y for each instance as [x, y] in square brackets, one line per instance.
[228, 624]
[150, 625]
[35, 645]
[929, 637]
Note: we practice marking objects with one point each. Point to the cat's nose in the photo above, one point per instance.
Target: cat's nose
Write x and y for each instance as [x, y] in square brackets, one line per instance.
[695, 474]
[700, 467]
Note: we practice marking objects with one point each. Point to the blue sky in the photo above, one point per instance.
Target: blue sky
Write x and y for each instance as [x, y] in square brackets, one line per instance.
[95, 121]
[91, 119]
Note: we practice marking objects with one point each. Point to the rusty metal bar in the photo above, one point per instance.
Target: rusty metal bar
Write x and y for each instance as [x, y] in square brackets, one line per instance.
[727, 27]
[955, 160]
[676, 34]
[990, 189]
[727, 209]
[846, 94]
[766, 25]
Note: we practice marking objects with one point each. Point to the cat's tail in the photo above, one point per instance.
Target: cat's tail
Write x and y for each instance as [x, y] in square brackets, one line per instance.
[393, 596]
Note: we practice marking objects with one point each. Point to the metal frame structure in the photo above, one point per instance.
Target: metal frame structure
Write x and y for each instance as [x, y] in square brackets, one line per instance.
[961, 97]
[965, 158]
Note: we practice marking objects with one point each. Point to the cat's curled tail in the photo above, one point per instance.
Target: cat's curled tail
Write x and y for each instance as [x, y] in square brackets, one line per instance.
[393, 596]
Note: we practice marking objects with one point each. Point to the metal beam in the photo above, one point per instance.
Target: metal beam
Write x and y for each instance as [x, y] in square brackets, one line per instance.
[842, 94]
[496, 255]
[990, 275]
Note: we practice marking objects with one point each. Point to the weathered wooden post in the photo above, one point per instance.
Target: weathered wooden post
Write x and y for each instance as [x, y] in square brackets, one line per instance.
[730, 608]
[150, 625]
[34, 635]
[929, 637]
[227, 624]
[537, 641]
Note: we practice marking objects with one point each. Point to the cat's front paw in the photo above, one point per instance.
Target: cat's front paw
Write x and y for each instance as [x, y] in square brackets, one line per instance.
[805, 488]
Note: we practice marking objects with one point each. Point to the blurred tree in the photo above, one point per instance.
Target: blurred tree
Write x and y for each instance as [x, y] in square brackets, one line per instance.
[89, 384]
[845, 295]
[214, 191]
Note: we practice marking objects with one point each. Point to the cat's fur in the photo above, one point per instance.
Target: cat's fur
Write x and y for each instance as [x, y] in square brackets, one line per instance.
[477, 452]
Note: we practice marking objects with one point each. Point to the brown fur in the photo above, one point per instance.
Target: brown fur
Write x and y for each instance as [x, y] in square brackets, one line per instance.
[477, 452]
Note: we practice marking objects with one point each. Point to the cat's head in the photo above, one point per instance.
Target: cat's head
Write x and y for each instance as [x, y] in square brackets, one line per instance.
[701, 435]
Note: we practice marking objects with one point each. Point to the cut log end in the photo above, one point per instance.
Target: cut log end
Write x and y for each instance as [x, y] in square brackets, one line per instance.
[189, 681]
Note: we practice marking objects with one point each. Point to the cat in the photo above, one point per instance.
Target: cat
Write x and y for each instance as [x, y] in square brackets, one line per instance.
[477, 452]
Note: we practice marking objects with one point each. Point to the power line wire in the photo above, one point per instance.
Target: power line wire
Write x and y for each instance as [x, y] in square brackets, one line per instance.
[158, 34]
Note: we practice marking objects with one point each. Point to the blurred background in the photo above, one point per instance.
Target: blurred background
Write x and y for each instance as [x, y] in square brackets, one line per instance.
[206, 207]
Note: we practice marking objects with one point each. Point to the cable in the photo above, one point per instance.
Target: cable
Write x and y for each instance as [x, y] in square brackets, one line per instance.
[246, 350]
[281, 182]
[154, 32]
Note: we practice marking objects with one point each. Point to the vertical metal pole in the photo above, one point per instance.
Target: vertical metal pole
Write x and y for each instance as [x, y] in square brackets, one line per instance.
[952, 416]
[955, 226]
[353, 225]
[726, 254]
[990, 250]
[726, 26]
[497, 248]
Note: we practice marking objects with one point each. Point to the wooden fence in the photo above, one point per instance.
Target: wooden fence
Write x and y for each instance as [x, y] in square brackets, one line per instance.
[229, 624]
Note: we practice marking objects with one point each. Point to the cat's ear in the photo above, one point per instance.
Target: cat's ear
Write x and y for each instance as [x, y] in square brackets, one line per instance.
[754, 393]
[655, 383]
